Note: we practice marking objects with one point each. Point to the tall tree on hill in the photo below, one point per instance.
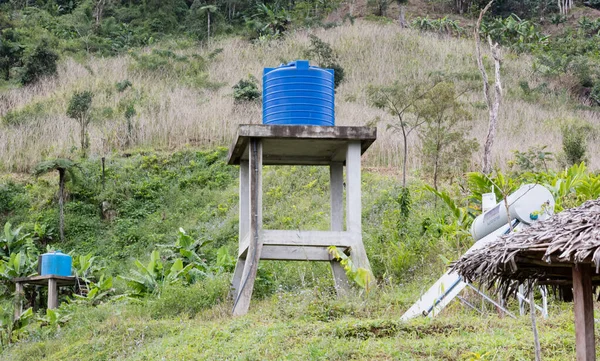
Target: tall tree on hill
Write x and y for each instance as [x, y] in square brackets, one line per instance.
[63, 167]
[399, 100]
[492, 102]
[79, 109]
[208, 9]
[445, 144]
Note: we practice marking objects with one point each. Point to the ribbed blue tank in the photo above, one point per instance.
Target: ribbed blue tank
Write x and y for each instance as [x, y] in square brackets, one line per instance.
[298, 94]
[56, 263]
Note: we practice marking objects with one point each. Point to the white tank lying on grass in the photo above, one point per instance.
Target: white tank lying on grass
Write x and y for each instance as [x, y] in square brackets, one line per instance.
[528, 204]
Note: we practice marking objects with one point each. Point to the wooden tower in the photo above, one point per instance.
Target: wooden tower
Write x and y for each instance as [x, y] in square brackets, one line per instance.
[336, 147]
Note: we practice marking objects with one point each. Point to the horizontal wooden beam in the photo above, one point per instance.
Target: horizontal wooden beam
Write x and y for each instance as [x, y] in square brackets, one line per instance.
[295, 253]
[310, 238]
[303, 238]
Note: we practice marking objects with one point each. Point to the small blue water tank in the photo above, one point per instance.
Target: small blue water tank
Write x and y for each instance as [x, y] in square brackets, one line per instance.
[298, 94]
[56, 263]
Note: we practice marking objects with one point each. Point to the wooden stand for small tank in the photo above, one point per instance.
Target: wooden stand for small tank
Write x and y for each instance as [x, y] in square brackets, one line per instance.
[51, 281]
[258, 145]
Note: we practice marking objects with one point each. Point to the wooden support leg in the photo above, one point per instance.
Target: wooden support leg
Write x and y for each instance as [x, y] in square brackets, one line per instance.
[237, 277]
[19, 294]
[336, 181]
[242, 301]
[52, 294]
[584, 312]
[353, 204]
[244, 224]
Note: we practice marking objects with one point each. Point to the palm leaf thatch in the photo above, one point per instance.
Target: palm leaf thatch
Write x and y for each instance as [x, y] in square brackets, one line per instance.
[544, 252]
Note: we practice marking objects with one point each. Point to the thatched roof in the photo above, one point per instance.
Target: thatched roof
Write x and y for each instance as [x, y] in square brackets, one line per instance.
[544, 252]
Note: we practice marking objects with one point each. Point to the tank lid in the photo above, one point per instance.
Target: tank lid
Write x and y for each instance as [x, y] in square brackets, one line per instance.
[55, 253]
[298, 64]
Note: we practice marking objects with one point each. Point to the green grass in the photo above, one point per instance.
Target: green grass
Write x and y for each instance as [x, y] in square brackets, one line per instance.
[294, 314]
[302, 325]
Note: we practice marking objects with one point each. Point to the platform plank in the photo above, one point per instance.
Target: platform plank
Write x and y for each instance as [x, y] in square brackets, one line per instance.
[299, 144]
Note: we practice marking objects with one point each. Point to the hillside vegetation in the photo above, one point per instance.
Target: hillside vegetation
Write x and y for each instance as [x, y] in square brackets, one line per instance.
[115, 121]
[190, 101]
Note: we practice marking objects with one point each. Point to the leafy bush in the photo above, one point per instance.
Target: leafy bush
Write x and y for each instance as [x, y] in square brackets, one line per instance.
[166, 64]
[442, 25]
[40, 62]
[123, 85]
[246, 90]
[574, 142]
[326, 57]
[518, 34]
[266, 20]
[595, 93]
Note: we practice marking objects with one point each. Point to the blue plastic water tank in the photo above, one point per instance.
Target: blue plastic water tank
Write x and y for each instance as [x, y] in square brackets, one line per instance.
[56, 263]
[298, 94]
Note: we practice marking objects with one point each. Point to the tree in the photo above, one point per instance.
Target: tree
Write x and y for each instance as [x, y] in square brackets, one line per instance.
[208, 9]
[574, 142]
[79, 109]
[326, 57]
[129, 114]
[445, 145]
[63, 167]
[399, 100]
[40, 62]
[11, 52]
[401, 17]
[493, 103]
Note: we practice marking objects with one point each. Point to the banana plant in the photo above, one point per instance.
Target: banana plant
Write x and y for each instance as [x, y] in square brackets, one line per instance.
[11, 329]
[13, 241]
[459, 224]
[18, 265]
[361, 276]
[98, 291]
[85, 266]
[53, 319]
[149, 279]
[189, 249]
[565, 185]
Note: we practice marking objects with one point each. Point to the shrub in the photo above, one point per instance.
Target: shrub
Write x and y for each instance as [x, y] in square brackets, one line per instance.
[246, 90]
[442, 25]
[178, 300]
[574, 142]
[595, 93]
[326, 57]
[123, 85]
[41, 62]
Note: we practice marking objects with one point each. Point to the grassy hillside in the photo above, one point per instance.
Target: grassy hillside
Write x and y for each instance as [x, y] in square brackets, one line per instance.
[162, 221]
[188, 101]
[303, 325]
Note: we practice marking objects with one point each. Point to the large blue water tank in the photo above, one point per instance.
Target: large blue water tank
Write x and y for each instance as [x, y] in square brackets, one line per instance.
[298, 94]
[56, 263]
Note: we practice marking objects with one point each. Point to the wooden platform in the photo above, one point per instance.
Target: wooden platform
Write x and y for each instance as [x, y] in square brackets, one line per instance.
[53, 282]
[43, 280]
[300, 144]
[335, 147]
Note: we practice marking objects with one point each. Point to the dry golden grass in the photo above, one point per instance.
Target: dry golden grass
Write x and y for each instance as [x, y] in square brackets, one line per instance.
[173, 115]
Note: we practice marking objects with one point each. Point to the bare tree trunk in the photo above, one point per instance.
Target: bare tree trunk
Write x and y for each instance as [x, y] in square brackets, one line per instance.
[61, 202]
[493, 103]
[208, 32]
[402, 17]
[404, 159]
[98, 10]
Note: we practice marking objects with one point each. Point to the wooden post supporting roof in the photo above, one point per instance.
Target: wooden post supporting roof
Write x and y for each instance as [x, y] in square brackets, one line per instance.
[584, 312]
[258, 145]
